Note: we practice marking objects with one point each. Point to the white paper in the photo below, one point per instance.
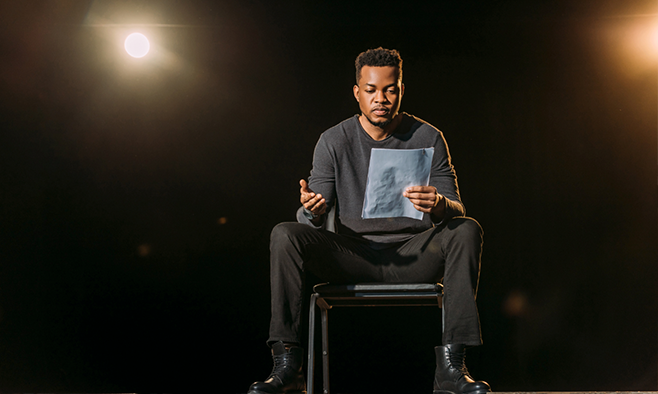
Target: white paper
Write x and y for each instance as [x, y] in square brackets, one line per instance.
[391, 171]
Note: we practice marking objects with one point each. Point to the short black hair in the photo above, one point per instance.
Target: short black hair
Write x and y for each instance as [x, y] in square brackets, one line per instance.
[378, 57]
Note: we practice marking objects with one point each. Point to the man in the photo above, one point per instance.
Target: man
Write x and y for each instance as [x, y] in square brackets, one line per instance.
[443, 244]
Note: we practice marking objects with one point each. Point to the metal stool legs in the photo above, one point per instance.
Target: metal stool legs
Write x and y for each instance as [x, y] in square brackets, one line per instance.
[324, 316]
[326, 296]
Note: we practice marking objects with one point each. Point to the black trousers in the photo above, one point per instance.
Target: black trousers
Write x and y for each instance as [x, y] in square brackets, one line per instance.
[451, 251]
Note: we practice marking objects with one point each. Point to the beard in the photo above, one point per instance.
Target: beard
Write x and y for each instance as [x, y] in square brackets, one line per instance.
[381, 125]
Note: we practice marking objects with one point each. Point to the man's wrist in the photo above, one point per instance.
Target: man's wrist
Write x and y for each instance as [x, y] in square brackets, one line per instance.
[440, 204]
[437, 198]
[309, 215]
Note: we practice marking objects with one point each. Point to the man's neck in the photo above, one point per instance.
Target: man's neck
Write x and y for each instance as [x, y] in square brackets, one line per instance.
[378, 133]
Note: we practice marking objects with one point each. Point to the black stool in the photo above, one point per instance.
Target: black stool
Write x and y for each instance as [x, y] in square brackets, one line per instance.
[326, 296]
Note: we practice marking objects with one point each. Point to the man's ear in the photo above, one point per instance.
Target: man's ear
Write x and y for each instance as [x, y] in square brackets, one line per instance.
[356, 92]
[401, 90]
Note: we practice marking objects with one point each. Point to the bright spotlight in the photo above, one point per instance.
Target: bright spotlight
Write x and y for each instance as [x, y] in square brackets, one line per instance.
[137, 45]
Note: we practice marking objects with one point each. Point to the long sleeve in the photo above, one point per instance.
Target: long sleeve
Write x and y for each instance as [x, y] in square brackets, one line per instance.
[444, 179]
[323, 175]
[322, 181]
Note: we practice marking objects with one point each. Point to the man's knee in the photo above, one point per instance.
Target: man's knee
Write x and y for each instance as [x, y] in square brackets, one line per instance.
[288, 232]
[281, 230]
[466, 229]
[284, 232]
[284, 244]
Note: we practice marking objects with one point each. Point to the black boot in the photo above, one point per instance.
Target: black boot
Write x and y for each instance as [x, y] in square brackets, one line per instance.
[451, 373]
[286, 376]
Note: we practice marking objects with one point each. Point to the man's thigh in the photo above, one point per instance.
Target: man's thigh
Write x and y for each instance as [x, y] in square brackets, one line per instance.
[423, 258]
[332, 257]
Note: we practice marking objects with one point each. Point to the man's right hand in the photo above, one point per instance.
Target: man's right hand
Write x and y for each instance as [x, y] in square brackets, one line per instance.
[311, 201]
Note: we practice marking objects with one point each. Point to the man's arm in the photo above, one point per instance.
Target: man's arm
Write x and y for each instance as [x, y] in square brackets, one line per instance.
[317, 201]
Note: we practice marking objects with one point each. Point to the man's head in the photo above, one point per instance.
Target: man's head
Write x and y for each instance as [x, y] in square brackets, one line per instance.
[379, 87]
[378, 57]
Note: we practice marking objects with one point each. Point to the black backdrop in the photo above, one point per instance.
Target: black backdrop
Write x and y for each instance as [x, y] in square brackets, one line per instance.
[137, 196]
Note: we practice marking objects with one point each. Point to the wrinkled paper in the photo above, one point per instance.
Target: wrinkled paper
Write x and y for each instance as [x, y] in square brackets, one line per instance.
[391, 171]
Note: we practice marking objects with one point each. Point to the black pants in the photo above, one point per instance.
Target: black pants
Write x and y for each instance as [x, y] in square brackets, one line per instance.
[451, 251]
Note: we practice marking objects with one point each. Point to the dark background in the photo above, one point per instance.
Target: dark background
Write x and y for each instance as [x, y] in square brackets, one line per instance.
[137, 195]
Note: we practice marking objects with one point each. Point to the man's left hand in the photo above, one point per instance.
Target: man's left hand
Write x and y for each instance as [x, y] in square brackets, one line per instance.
[426, 199]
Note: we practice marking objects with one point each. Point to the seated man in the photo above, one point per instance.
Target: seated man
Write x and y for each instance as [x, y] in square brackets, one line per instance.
[443, 244]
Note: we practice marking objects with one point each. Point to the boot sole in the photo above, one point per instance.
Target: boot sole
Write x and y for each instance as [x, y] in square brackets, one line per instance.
[287, 392]
[453, 392]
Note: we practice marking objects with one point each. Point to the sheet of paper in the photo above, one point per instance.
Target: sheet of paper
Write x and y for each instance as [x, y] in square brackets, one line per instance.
[391, 171]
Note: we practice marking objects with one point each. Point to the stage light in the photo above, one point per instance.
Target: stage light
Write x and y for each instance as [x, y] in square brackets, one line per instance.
[144, 250]
[137, 45]
[516, 304]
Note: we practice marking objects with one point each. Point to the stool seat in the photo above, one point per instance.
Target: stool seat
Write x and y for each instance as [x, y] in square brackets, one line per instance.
[326, 296]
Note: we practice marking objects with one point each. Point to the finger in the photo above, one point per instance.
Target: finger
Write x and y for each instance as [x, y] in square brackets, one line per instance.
[312, 201]
[306, 195]
[422, 209]
[304, 187]
[306, 198]
[422, 202]
[420, 196]
[305, 191]
[420, 189]
[319, 207]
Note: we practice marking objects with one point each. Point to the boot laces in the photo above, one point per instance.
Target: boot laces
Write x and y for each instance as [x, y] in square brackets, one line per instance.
[279, 365]
[458, 361]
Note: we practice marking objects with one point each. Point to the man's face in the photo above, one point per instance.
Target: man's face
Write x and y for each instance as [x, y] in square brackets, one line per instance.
[379, 94]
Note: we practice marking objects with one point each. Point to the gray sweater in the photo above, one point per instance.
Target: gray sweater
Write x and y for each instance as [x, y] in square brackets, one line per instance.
[340, 173]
